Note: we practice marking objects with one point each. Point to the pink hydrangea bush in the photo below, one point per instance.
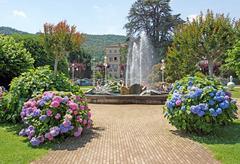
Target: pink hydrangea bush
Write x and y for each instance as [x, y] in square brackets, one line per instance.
[54, 114]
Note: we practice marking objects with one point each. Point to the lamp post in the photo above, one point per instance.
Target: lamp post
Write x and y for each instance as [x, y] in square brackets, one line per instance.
[162, 69]
[105, 71]
[94, 71]
[73, 71]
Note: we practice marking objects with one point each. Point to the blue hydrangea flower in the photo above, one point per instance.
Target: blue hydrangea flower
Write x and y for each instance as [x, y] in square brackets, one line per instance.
[212, 94]
[170, 104]
[42, 117]
[42, 103]
[203, 106]
[183, 108]
[36, 113]
[22, 132]
[219, 98]
[35, 141]
[219, 111]
[211, 102]
[224, 105]
[213, 112]
[201, 113]
[47, 98]
[190, 83]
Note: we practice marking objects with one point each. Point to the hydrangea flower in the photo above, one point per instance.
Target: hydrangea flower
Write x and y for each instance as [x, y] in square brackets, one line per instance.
[197, 104]
[42, 117]
[54, 114]
[35, 141]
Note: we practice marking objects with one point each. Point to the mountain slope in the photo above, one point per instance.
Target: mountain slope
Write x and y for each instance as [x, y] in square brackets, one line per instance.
[10, 31]
[95, 44]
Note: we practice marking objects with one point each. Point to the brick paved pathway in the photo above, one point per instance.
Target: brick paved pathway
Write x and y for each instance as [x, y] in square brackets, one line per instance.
[129, 134]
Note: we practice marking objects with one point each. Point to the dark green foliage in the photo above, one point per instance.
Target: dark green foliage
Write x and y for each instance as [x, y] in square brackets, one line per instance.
[82, 60]
[31, 83]
[33, 44]
[233, 59]
[155, 18]
[198, 104]
[14, 59]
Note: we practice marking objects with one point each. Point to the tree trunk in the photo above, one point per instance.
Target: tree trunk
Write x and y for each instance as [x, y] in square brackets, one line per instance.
[210, 67]
[55, 66]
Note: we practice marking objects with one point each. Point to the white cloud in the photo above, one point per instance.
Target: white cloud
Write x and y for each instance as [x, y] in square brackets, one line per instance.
[19, 13]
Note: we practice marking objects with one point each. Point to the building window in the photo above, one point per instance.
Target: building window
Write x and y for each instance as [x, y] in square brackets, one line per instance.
[115, 59]
[115, 51]
[110, 51]
[110, 59]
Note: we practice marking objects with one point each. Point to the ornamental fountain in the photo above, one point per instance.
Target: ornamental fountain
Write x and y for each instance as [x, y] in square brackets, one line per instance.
[140, 60]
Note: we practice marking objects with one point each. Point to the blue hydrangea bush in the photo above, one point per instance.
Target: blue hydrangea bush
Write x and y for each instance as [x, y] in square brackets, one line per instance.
[198, 105]
[54, 115]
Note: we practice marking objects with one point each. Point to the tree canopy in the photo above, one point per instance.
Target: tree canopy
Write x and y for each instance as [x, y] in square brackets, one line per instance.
[233, 59]
[153, 17]
[60, 39]
[14, 59]
[208, 37]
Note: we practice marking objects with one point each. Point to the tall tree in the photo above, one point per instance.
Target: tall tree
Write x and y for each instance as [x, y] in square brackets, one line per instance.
[153, 17]
[60, 39]
[207, 37]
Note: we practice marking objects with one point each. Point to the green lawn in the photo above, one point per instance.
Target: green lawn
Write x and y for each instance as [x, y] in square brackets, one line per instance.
[86, 88]
[224, 143]
[236, 92]
[16, 149]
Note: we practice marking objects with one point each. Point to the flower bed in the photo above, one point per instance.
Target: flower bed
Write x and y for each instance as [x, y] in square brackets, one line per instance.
[54, 115]
[198, 105]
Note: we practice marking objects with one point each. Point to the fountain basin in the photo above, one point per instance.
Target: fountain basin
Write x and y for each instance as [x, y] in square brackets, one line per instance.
[127, 99]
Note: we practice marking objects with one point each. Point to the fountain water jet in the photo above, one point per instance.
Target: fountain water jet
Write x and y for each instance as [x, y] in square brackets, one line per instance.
[139, 60]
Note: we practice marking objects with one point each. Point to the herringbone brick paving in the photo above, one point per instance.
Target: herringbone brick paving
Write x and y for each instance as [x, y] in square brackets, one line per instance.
[129, 134]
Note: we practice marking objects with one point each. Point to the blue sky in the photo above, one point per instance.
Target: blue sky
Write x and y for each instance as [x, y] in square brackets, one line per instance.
[95, 16]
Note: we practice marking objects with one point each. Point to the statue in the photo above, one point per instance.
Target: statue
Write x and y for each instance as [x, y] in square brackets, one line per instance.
[231, 84]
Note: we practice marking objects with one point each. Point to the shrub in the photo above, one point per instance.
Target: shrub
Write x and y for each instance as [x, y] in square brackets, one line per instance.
[14, 59]
[31, 83]
[54, 115]
[199, 105]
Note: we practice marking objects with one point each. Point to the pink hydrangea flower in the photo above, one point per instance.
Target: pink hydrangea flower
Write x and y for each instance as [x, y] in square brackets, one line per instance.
[55, 104]
[78, 98]
[30, 103]
[49, 136]
[178, 102]
[73, 105]
[57, 116]
[79, 119]
[49, 113]
[75, 112]
[89, 114]
[66, 123]
[226, 97]
[49, 94]
[82, 107]
[58, 99]
[84, 122]
[68, 117]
